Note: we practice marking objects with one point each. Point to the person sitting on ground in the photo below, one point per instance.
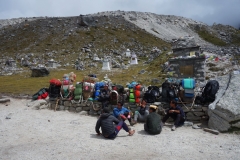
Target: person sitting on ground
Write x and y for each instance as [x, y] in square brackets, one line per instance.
[142, 113]
[153, 121]
[106, 121]
[122, 113]
[104, 96]
[176, 113]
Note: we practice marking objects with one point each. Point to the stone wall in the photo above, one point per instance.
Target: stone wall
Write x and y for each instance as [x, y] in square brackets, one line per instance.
[195, 114]
[198, 64]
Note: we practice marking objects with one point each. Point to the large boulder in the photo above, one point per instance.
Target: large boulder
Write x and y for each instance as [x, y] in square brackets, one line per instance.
[39, 72]
[224, 112]
[184, 42]
[86, 21]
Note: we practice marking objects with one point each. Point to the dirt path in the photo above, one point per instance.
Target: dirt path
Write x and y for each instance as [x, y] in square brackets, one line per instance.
[45, 134]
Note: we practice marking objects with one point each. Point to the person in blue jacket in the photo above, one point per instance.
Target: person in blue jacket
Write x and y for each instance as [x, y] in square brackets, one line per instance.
[176, 113]
[122, 113]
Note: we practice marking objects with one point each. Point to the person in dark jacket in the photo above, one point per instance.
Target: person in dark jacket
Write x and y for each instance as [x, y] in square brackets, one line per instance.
[106, 121]
[153, 121]
[142, 113]
[104, 96]
[176, 113]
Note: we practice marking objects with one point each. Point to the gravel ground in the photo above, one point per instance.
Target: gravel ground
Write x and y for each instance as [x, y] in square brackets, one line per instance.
[45, 134]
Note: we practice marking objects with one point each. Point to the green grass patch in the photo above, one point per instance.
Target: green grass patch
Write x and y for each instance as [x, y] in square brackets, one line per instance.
[23, 83]
[236, 38]
[204, 34]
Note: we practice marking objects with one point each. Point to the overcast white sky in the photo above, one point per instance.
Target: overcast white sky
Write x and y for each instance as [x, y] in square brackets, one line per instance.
[208, 11]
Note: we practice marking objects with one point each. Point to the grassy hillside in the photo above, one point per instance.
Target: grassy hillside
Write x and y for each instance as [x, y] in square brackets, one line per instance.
[210, 37]
[66, 37]
[23, 83]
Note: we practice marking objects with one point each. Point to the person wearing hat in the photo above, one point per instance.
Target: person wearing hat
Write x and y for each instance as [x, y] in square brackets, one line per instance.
[153, 121]
[106, 121]
[176, 113]
[104, 96]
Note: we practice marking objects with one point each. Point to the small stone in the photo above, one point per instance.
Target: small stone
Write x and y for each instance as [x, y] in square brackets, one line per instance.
[78, 109]
[83, 113]
[196, 127]
[61, 107]
[211, 131]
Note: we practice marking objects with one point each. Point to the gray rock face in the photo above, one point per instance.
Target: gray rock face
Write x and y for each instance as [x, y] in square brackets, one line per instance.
[225, 115]
[39, 72]
[184, 42]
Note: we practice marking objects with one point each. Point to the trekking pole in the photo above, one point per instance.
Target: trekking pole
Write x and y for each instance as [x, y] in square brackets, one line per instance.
[56, 105]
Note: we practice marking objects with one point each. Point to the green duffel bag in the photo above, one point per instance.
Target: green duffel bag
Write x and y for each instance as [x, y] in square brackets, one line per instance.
[132, 100]
[78, 91]
[131, 96]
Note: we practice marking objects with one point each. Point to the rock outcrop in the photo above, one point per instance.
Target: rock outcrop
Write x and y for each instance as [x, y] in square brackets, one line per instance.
[224, 112]
[39, 72]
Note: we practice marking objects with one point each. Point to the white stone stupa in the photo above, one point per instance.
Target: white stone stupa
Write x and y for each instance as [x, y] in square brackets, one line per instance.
[134, 59]
[106, 64]
[128, 53]
[52, 64]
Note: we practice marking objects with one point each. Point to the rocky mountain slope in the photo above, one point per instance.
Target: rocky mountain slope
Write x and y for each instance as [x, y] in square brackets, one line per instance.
[82, 37]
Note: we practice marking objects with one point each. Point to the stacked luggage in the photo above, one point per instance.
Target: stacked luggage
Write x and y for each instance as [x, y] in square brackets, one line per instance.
[188, 86]
[131, 91]
[88, 87]
[138, 93]
[54, 89]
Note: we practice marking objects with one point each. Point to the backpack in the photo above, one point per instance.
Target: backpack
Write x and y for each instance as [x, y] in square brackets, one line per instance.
[41, 94]
[209, 92]
[78, 91]
[119, 88]
[92, 75]
[152, 94]
[54, 91]
[165, 88]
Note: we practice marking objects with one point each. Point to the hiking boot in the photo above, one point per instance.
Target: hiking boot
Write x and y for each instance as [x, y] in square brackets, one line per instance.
[173, 128]
[133, 123]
